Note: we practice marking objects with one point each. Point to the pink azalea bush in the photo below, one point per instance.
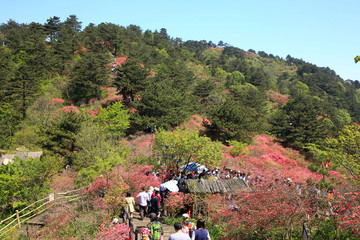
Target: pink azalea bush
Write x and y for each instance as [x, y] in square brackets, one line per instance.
[69, 109]
[263, 211]
[266, 155]
[63, 182]
[277, 98]
[347, 211]
[56, 101]
[114, 232]
[176, 202]
[142, 145]
[137, 177]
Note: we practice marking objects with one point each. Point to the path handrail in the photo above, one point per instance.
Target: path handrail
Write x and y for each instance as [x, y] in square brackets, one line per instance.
[49, 202]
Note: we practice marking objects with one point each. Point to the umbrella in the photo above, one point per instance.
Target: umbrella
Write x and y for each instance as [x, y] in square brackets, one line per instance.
[171, 186]
[201, 168]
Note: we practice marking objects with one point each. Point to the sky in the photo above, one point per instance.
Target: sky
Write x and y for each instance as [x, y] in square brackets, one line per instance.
[324, 33]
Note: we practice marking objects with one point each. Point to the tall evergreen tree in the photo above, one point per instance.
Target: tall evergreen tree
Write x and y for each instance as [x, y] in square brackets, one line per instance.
[88, 75]
[131, 78]
[300, 121]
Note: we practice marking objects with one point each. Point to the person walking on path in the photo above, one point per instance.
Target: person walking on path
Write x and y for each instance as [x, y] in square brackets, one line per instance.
[155, 227]
[192, 226]
[201, 233]
[178, 235]
[130, 204]
[188, 229]
[144, 198]
[150, 191]
[155, 204]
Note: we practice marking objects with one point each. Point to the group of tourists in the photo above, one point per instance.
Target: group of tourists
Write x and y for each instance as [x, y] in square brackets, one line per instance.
[150, 204]
[215, 173]
[183, 231]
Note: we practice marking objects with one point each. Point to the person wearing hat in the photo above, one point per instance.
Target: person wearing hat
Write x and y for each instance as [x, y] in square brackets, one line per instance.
[191, 226]
[150, 192]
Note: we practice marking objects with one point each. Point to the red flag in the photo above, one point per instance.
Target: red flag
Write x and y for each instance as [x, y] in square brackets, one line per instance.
[327, 163]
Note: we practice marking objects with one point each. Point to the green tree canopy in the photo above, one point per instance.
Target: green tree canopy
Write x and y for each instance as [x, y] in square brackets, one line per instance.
[115, 118]
[234, 78]
[163, 106]
[131, 78]
[95, 145]
[27, 180]
[233, 121]
[300, 121]
[88, 75]
[357, 59]
[183, 146]
[345, 151]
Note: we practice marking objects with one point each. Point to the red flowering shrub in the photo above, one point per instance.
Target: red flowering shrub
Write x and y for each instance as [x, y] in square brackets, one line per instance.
[70, 109]
[176, 202]
[213, 204]
[277, 98]
[279, 159]
[91, 101]
[142, 145]
[111, 96]
[195, 122]
[94, 112]
[137, 177]
[266, 156]
[262, 213]
[63, 182]
[56, 101]
[133, 110]
[120, 60]
[114, 232]
[57, 226]
[347, 211]
[101, 184]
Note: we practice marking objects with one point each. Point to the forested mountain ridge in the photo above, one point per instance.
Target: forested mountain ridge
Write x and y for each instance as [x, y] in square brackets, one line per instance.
[240, 92]
[107, 105]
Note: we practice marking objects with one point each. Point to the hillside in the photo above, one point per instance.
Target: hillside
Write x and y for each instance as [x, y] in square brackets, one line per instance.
[113, 103]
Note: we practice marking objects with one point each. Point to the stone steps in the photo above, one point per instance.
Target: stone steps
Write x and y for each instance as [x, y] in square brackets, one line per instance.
[168, 230]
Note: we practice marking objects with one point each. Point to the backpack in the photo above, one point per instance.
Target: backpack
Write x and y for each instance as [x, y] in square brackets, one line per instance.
[191, 229]
[155, 231]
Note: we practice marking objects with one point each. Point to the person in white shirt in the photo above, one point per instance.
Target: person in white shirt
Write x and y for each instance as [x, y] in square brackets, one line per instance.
[178, 235]
[144, 198]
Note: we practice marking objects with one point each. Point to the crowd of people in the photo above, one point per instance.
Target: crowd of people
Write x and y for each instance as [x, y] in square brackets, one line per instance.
[214, 173]
[151, 201]
[183, 231]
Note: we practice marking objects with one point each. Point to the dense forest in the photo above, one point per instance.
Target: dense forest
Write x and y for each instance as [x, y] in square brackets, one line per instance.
[77, 93]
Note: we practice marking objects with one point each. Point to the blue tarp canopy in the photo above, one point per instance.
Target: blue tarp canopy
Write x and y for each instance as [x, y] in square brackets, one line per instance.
[193, 167]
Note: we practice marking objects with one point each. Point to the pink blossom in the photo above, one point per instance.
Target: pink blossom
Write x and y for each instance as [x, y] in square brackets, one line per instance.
[70, 109]
[56, 100]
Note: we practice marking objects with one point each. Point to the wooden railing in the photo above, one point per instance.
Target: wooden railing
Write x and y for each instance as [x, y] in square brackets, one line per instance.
[38, 207]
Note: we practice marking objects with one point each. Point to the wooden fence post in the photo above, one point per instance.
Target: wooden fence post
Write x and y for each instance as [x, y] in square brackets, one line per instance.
[18, 218]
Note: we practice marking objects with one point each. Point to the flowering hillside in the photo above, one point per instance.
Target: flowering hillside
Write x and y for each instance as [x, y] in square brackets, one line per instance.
[266, 156]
